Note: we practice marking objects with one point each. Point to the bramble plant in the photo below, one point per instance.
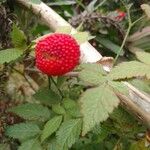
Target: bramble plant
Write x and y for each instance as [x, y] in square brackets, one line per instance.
[77, 107]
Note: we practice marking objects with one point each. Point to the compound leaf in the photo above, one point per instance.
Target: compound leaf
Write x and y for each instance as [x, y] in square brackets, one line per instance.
[96, 105]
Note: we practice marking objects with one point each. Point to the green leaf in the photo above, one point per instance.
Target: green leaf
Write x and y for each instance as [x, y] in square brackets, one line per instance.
[31, 112]
[96, 105]
[143, 57]
[93, 67]
[90, 77]
[50, 127]
[9, 55]
[47, 96]
[32, 144]
[71, 107]
[119, 86]
[68, 133]
[92, 74]
[64, 29]
[109, 45]
[22, 131]
[81, 37]
[53, 145]
[18, 38]
[58, 109]
[129, 70]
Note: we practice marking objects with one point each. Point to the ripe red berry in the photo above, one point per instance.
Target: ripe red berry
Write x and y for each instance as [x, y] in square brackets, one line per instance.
[57, 54]
[120, 15]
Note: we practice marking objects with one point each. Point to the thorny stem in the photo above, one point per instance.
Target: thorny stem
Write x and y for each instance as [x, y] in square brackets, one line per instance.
[123, 43]
[60, 92]
[130, 25]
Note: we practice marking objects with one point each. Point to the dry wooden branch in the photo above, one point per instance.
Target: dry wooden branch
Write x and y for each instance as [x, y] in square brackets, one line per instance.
[138, 103]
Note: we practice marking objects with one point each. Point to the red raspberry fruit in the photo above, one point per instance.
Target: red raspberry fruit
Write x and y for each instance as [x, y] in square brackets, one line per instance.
[57, 54]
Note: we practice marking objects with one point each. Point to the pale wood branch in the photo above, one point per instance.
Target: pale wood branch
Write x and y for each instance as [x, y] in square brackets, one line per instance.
[138, 103]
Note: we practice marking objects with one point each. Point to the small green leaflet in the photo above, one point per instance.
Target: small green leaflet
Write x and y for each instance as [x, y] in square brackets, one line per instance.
[35, 1]
[119, 87]
[68, 133]
[50, 127]
[109, 45]
[81, 37]
[143, 57]
[58, 109]
[64, 29]
[91, 78]
[31, 112]
[19, 39]
[32, 144]
[96, 105]
[71, 107]
[9, 55]
[47, 96]
[53, 145]
[93, 67]
[129, 70]
[22, 131]
[92, 74]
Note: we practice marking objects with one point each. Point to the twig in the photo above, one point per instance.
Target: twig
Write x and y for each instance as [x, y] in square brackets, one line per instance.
[137, 92]
[130, 25]
[134, 109]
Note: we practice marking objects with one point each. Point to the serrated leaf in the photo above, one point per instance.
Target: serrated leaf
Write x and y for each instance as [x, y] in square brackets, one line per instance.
[64, 29]
[32, 144]
[18, 38]
[96, 105]
[31, 112]
[68, 132]
[119, 86]
[50, 127]
[81, 37]
[92, 74]
[9, 55]
[93, 67]
[47, 96]
[129, 70]
[58, 109]
[53, 145]
[35, 1]
[71, 107]
[22, 131]
[91, 78]
[109, 45]
[143, 57]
